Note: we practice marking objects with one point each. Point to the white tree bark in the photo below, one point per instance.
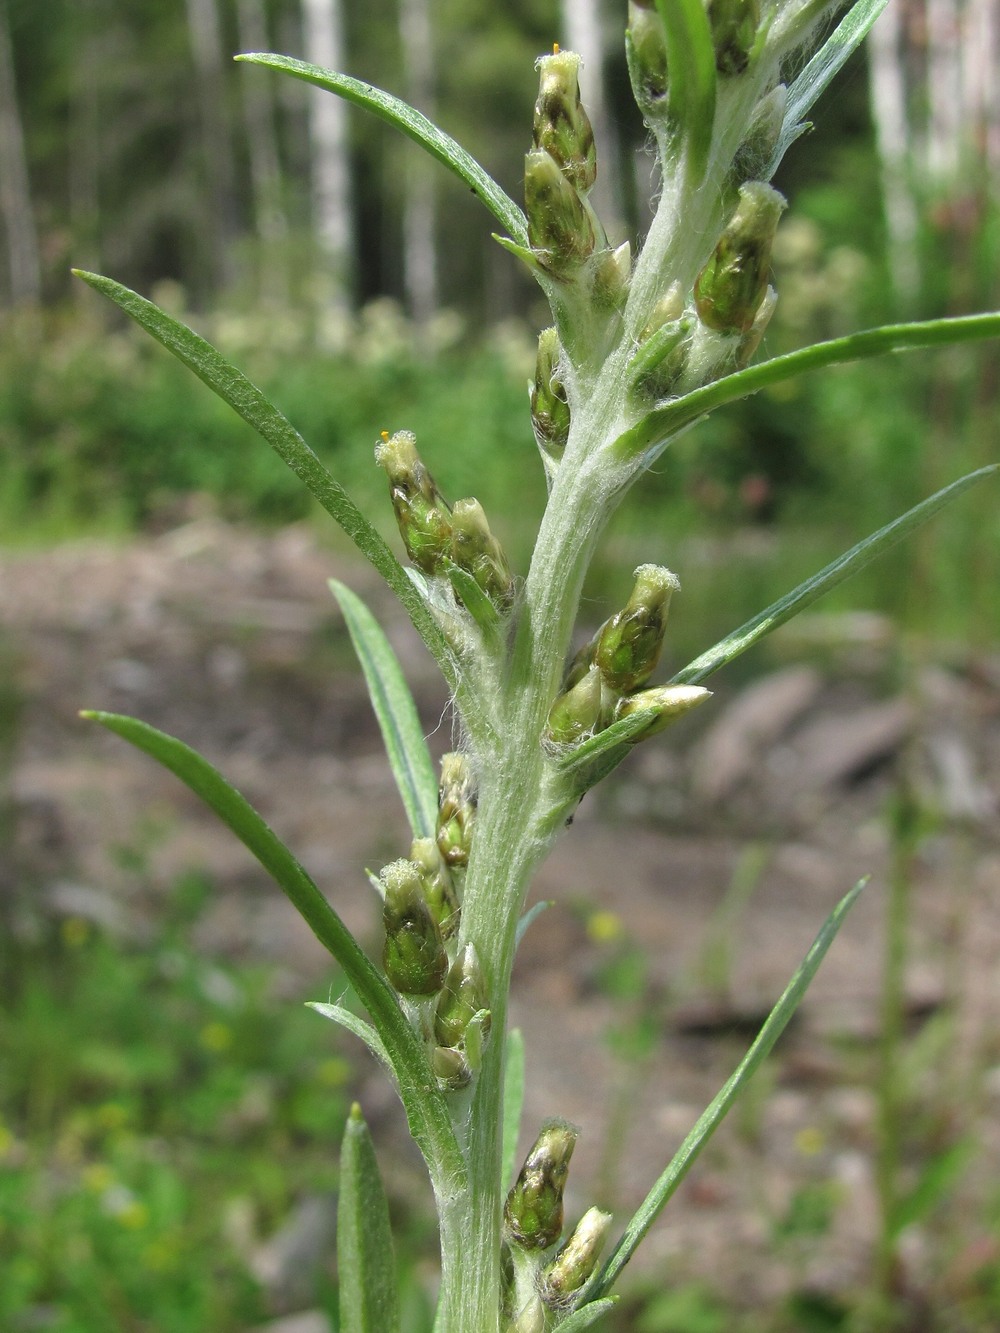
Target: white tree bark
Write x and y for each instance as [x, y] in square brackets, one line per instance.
[89, 45]
[15, 194]
[946, 123]
[210, 63]
[331, 176]
[420, 271]
[583, 31]
[270, 219]
[888, 100]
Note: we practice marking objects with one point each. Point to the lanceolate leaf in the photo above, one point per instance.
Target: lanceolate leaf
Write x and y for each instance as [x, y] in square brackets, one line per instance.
[513, 1102]
[366, 1272]
[587, 1315]
[619, 733]
[707, 1124]
[423, 131]
[427, 1113]
[691, 62]
[654, 431]
[821, 69]
[475, 601]
[233, 387]
[396, 712]
[840, 569]
[338, 1014]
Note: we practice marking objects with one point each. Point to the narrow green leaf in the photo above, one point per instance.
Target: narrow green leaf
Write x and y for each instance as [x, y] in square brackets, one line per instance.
[587, 1315]
[808, 592]
[416, 126]
[233, 387]
[338, 1014]
[427, 1113]
[827, 62]
[475, 601]
[396, 711]
[366, 1271]
[654, 431]
[691, 74]
[936, 1182]
[710, 1120]
[513, 1104]
[618, 733]
[530, 915]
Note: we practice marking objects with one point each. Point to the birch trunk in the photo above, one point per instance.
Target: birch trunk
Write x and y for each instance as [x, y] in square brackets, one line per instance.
[270, 219]
[206, 48]
[331, 177]
[85, 138]
[15, 194]
[420, 273]
[583, 31]
[888, 101]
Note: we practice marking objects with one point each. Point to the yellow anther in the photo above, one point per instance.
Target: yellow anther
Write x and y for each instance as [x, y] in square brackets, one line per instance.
[385, 435]
[555, 48]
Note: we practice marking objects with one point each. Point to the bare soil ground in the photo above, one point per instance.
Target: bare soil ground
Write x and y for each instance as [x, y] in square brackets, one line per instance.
[229, 640]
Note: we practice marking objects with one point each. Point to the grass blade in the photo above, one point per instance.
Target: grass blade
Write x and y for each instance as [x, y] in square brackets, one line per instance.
[691, 91]
[827, 62]
[362, 1030]
[654, 430]
[587, 1315]
[713, 1116]
[416, 126]
[396, 711]
[618, 733]
[430, 1123]
[513, 1104]
[808, 592]
[366, 1272]
[233, 387]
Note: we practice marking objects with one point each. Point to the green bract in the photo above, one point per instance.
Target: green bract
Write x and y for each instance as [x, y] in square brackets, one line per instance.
[637, 351]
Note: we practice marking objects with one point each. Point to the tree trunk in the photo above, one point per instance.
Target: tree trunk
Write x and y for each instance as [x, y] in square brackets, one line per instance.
[85, 138]
[270, 219]
[888, 100]
[206, 48]
[583, 31]
[420, 275]
[15, 194]
[331, 177]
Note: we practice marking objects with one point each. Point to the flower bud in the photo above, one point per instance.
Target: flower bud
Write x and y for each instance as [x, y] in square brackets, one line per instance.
[629, 644]
[734, 26]
[421, 510]
[667, 310]
[451, 1069]
[562, 127]
[462, 997]
[561, 227]
[610, 276]
[476, 550]
[577, 1259]
[661, 358]
[456, 810]
[577, 712]
[533, 1213]
[439, 891]
[549, 408]
[413, 956]
[669, 701]
[646, 46]
[732, 285]
[751, 341]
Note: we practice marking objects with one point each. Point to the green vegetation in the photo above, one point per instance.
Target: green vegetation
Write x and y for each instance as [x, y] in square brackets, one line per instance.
[158, 1116]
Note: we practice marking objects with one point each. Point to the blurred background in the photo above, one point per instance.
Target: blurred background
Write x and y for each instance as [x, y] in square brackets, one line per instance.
[168, 1111]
